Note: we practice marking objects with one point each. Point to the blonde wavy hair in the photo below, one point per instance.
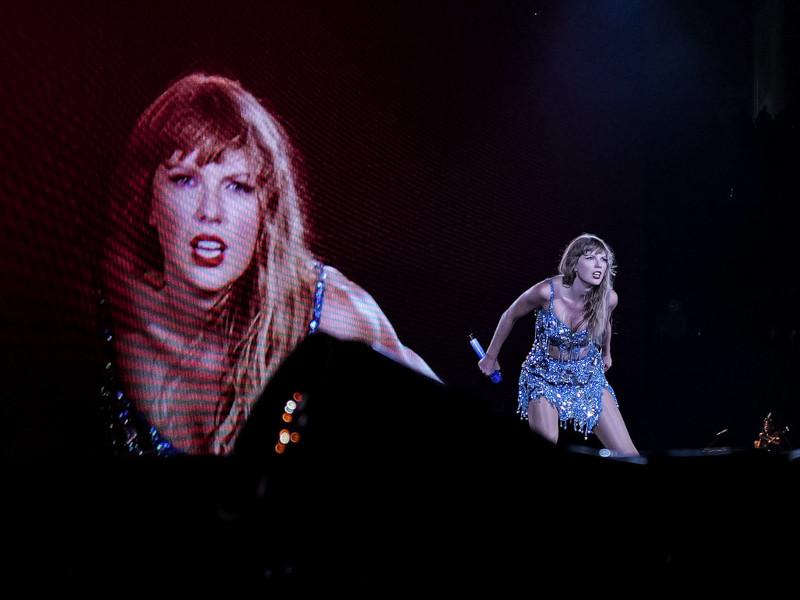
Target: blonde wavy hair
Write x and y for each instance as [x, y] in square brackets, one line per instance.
[266, 312]
[595, 310]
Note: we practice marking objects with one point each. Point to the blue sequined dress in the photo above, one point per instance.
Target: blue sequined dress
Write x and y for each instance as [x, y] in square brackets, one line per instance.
[566, 368]
[129, 430]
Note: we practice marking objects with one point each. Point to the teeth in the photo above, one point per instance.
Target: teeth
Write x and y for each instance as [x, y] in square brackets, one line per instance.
[208, 253]
[209, 245]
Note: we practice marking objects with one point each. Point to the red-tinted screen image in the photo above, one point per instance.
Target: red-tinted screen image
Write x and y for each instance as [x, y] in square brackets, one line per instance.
[192, 189]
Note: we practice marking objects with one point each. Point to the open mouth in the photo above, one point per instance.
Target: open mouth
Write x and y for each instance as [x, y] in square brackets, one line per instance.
[208, 250]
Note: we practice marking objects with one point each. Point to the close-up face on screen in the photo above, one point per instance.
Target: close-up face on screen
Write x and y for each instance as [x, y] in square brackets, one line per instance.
[485, 229]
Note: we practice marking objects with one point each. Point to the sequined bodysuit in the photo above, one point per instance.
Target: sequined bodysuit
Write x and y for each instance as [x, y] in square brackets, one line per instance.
[129, 430]
[564, 367]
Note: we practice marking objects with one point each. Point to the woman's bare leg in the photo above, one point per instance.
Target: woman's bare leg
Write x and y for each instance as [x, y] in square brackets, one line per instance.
[543, 419]
[611, 430]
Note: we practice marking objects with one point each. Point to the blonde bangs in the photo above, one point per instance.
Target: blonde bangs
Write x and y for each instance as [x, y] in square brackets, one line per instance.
[266, 314]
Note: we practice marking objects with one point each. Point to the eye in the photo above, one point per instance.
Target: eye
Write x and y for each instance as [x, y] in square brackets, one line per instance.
[183, 180]
[240, 187]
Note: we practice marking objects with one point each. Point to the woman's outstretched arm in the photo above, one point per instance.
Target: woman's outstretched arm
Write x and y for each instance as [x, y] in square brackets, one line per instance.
[533, 298]
[350, 313]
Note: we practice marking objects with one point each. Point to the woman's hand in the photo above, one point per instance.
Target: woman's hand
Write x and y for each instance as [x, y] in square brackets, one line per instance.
[488, 365]
[606, 362]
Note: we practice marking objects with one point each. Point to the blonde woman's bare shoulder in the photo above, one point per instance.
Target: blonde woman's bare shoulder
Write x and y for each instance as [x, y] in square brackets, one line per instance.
[538, 295]
[348, 311]
[340, 289]
[558, 281]
[613, 299]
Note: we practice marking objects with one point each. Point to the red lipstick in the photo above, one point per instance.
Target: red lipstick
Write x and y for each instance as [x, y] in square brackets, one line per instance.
[208, 250]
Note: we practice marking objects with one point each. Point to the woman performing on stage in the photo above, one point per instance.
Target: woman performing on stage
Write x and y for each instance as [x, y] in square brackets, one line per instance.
[563, 376]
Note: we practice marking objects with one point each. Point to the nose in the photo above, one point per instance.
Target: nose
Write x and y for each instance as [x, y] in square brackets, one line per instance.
[209, 207]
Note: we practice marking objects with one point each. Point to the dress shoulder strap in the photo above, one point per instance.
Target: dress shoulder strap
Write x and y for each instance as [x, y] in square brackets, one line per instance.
[552, 293]
[319, 297]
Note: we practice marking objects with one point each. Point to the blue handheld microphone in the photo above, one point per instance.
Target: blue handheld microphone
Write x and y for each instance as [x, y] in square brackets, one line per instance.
[496, 377]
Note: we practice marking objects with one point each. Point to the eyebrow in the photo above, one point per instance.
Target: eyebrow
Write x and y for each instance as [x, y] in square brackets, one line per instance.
[177, 164]
[169, 165]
